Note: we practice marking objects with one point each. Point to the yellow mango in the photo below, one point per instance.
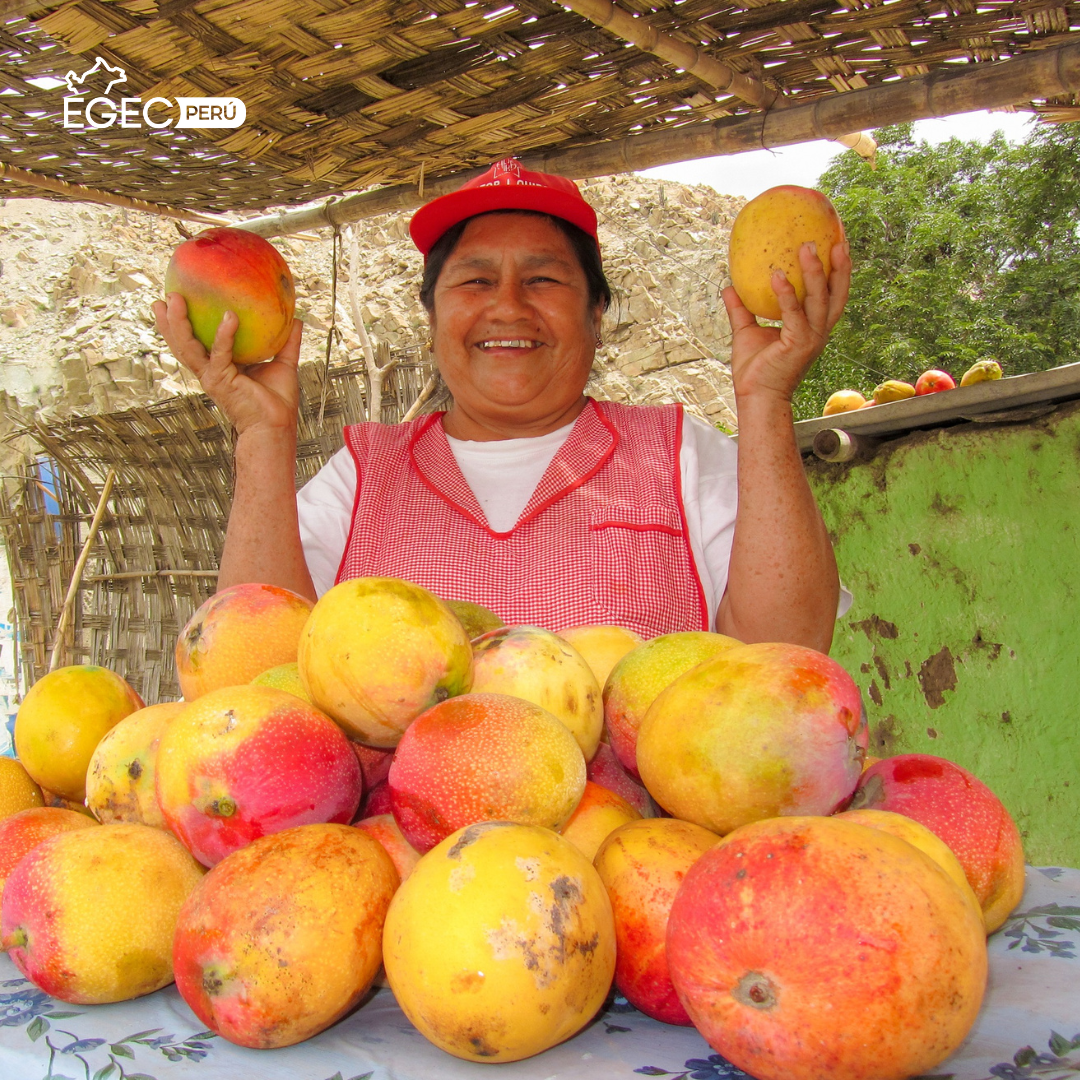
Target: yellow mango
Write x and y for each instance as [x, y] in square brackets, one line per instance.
[843, 401]
[767, 235]
[521, 953]
[63, 717]
[981, 371]
[892, 390]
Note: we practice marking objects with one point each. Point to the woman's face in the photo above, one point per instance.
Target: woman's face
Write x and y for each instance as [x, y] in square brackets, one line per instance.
[513, 329]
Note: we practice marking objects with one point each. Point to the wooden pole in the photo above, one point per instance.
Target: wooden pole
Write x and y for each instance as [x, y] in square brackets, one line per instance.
[639, 31]
[425, 395]
[130, 575]
[76, 577]
[1035, 75]
[682, 54]
[645, 36]
[862, 142]
[87, 194]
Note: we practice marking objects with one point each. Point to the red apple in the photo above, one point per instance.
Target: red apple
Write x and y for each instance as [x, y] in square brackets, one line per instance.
[932, 381]
[961, 810]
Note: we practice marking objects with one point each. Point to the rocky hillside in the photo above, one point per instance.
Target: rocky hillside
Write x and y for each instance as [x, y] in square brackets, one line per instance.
[76, 283]
[77, 337]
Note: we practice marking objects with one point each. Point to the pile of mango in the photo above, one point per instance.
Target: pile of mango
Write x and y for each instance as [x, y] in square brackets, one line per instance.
[933, 381]
[500, 823]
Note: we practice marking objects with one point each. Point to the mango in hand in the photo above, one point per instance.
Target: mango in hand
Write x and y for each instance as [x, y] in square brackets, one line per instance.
[766, 237]
[228, 269]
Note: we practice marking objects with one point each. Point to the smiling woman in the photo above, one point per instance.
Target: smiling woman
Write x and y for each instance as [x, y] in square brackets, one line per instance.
[526, 496]
[514, 327]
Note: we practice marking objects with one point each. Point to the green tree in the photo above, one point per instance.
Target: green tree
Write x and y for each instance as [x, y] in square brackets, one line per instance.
[961, 250]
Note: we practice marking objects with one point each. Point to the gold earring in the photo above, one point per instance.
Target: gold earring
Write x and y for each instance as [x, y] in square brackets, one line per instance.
[599, 342]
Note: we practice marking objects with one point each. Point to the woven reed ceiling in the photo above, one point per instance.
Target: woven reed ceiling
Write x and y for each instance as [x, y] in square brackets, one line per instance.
[345, 94]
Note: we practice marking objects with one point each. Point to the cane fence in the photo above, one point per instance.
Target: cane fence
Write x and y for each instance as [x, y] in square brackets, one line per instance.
[154, 558]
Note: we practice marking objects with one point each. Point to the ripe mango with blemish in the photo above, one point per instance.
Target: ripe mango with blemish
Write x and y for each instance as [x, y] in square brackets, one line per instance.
[520, 952]
[120, 782]
[534, 664]
[284, 937]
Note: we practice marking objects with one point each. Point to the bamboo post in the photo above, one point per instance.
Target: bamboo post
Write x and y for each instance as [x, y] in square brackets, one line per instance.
[640, 32]
[1045, 73]
[423, 398]
[837, 446]
[76, 577]
[88, 194]
[862, 142]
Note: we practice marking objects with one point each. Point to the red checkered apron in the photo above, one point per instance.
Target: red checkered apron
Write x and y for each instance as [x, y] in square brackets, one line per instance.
[602, 540]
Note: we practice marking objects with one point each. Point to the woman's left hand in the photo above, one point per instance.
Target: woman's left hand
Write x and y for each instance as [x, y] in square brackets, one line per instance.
[772, 360]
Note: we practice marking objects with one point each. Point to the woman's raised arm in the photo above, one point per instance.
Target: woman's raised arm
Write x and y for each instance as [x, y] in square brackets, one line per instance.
[262, 541]
[782, 579]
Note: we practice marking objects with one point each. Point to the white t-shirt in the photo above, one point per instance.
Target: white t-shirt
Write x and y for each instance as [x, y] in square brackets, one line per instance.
[503, 476]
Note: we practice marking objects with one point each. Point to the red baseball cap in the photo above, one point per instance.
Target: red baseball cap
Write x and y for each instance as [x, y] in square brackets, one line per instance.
[505, 186]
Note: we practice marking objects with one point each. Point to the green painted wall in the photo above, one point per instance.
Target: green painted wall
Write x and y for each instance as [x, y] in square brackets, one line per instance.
[962, 548]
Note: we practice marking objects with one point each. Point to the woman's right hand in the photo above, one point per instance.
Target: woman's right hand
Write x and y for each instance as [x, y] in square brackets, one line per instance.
[263, 395]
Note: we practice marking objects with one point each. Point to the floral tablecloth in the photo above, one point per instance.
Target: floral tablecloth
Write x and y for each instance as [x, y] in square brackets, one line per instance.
[1029, 1026]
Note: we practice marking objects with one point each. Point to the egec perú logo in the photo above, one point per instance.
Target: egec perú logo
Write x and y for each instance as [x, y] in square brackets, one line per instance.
[82, 111]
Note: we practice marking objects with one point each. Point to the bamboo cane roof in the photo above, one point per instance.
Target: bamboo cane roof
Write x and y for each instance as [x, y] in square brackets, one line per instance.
[343, 95]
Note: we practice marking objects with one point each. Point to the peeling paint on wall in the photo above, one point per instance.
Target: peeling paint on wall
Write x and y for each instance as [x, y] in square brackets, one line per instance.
[876, 627]
[937, 674]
